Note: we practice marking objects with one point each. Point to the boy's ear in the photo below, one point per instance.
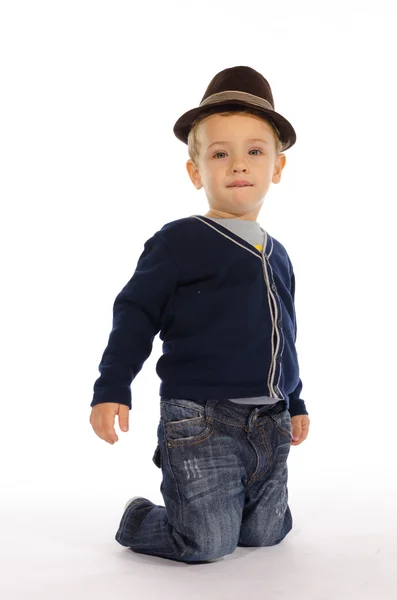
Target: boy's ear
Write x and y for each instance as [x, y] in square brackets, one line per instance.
[280, 164]
[194, 174]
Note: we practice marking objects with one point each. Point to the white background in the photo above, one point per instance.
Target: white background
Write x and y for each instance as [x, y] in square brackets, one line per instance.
[90, 169]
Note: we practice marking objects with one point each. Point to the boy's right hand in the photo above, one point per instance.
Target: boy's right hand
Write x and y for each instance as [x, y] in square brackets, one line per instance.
[102, 420]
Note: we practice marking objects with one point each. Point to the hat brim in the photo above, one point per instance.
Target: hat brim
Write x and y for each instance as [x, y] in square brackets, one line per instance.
[184, 123]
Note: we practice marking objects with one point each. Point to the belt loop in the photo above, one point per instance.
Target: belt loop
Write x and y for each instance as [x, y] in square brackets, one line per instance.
[209, 410]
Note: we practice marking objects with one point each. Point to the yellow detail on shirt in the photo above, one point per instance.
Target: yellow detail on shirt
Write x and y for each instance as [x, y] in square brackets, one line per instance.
[258, 247]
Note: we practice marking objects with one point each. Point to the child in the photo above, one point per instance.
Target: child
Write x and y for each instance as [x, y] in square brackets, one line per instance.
[220, 290]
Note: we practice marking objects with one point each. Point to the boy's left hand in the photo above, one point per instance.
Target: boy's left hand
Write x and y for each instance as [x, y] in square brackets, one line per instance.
[300, 429]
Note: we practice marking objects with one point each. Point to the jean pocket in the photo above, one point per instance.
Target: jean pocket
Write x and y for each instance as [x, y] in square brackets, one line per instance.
[157, 457]
[184, 425]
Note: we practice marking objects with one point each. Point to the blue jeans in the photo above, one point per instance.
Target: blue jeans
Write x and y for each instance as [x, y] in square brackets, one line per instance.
[224, 483]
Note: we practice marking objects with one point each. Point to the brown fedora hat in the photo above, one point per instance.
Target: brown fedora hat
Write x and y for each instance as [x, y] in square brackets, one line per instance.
[231, 88]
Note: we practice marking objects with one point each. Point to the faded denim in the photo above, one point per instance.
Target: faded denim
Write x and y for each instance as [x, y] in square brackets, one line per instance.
[224, 482]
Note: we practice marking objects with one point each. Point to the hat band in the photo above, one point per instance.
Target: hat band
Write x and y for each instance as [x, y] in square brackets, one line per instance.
[236, 95]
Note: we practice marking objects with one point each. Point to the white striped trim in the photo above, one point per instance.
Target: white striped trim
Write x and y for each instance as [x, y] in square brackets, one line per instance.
[227, 236]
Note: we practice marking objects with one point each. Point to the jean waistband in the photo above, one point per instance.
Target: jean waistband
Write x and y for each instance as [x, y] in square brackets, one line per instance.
[222, 410]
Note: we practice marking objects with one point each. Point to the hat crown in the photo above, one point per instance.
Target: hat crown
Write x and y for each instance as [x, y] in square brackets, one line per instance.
[237, 88]
[241, 79]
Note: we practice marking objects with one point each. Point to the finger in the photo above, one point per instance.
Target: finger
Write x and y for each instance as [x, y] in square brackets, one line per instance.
[111, 438]
[305, 433]
[123, 417]
[123, 423]
[107, 434]
[103, 425]
[111, 434]
[301, 439]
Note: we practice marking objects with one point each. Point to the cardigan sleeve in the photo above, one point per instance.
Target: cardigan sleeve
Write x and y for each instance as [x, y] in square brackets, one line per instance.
[296, 404]
[137, 312]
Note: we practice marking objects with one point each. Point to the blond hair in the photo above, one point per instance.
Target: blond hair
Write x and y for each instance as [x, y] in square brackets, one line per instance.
[193, 143]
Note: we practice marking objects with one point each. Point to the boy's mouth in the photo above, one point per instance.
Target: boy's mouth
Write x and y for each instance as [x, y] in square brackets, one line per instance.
[240, 185]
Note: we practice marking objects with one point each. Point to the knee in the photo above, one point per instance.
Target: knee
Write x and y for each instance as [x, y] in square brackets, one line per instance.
[250, 537]
[210, 549]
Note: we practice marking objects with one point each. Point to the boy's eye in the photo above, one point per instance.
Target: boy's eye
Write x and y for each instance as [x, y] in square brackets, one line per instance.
[253, 150]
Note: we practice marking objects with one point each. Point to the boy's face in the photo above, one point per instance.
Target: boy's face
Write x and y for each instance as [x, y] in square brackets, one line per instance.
[226, 155]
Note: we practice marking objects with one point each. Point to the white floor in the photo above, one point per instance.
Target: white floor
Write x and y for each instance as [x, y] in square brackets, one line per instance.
[343, 545]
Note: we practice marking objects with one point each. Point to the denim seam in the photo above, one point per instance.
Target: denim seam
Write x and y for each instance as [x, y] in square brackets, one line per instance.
[268, 451]
[195, 440]
[176, 424]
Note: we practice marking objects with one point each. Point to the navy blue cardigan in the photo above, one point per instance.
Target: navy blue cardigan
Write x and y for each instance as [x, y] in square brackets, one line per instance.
[225, 313]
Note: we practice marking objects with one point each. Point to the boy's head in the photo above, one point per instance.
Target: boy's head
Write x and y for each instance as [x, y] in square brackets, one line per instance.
[222, 150]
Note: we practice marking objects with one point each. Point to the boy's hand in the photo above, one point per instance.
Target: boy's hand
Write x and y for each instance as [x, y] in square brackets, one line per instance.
[300, 429]
[102, 420]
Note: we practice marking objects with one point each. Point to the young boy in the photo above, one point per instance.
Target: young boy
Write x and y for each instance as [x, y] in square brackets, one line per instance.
[220, 290]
